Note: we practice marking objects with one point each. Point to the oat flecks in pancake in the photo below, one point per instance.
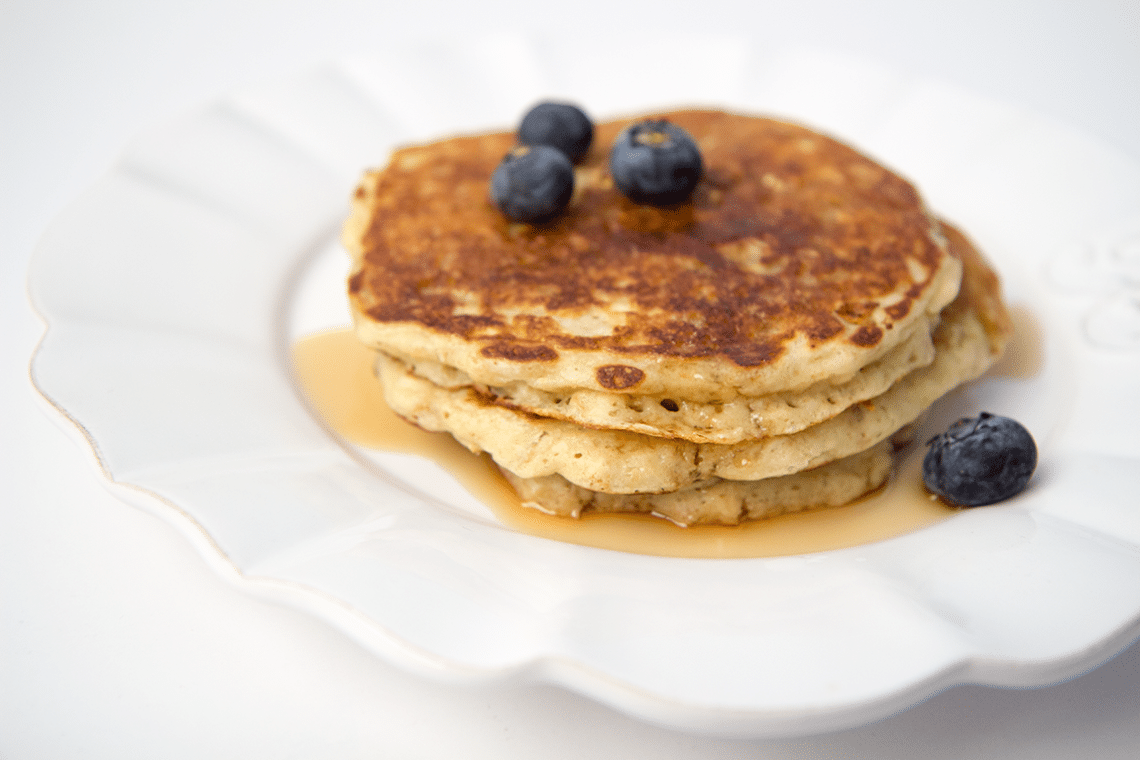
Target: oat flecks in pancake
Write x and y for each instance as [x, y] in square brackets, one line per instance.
[968, 340]
[798, 260]
[731, 420]
[749, 353]
[721, 502]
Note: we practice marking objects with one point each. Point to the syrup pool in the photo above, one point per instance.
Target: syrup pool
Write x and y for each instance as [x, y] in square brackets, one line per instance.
[336, 375]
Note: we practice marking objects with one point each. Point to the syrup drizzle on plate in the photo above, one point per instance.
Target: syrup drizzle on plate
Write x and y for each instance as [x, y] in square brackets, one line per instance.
[335, 372]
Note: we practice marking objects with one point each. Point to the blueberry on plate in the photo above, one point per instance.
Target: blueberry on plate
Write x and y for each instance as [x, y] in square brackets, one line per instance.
[533, 183]
[980, 460]
[559, 125]
[655, 162]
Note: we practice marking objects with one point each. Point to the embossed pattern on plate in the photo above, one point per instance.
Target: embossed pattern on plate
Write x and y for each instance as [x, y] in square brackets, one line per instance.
[174, 287]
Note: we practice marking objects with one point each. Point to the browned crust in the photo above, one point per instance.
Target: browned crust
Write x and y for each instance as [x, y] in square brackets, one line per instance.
[835, 228]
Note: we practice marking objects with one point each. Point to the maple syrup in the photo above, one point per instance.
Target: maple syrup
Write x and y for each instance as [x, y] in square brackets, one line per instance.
[1025, 354]
[336, 374]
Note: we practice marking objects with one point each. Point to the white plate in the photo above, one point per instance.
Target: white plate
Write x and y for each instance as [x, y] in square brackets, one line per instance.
[173, 289]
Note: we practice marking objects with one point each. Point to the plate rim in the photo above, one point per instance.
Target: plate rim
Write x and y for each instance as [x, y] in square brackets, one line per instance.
[629, 697]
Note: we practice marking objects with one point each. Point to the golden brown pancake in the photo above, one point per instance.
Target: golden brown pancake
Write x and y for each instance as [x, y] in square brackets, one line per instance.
[732, 421]
[968, 340]
[797, 260]
[750, 352]
[721, 502]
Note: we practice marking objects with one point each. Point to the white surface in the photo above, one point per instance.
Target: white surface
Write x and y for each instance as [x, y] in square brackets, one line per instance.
[116, 639]
[192, 267]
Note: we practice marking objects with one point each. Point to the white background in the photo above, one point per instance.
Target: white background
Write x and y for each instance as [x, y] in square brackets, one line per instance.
[117, 641]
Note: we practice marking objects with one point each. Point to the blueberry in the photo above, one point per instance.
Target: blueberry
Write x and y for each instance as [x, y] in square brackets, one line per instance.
[655, 162]
[559, 125]
[980, 460]
[532, 183]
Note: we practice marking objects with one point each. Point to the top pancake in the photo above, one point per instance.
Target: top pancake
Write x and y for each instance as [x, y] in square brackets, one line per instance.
[797, 260]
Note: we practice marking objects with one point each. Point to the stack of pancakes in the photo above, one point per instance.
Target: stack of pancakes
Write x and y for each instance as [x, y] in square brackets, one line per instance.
[751, 352]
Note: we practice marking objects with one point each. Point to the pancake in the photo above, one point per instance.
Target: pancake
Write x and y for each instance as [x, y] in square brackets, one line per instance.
[751, 352]
[738, 419]
[721, 502]
[968, 340]
[797, 261]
